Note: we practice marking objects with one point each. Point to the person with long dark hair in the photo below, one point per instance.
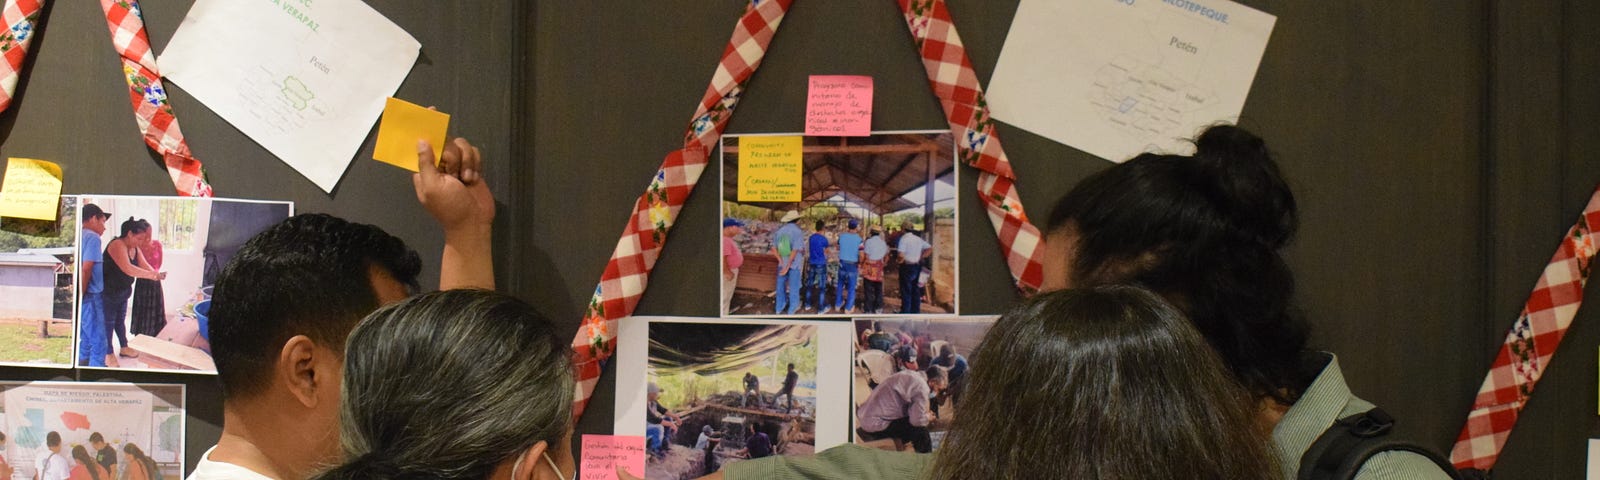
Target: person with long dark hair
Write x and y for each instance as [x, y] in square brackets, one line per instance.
[86, 468]
[459, 384]
[138, 465]
[126, 265]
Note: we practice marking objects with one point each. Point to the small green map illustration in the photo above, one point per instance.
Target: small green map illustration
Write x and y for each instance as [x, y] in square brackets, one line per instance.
[171, 433]
[296, 92]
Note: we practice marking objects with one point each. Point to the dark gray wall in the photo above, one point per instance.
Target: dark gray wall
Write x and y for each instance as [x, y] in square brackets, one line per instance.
[74, 110]
[1433, 145]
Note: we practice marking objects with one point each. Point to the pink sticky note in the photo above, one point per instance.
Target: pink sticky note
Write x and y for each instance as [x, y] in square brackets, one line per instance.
[839, 106]
[602, 454]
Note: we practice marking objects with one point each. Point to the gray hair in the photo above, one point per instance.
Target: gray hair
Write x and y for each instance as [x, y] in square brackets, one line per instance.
[449, 385]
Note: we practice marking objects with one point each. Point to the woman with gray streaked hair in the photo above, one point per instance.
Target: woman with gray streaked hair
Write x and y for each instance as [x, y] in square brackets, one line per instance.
[458, 384]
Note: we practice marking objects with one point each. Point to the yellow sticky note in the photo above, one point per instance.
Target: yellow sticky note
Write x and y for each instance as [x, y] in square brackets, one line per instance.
[32, 189]
[770, 169]
[402, 124]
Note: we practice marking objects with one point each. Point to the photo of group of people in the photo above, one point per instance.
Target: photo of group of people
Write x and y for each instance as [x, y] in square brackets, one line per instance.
[146, 269]
[909, 377]
[105, 431]
[874, 231]
[37, 265]
[711, 392]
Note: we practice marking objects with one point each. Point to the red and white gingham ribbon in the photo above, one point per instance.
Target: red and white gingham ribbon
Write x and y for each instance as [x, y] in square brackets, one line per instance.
[156, 120]
[21, 18]
[1528, 347]
[949, 73]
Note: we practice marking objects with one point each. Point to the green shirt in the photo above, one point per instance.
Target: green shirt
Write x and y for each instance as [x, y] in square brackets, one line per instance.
[1326, 400]
[848, 461]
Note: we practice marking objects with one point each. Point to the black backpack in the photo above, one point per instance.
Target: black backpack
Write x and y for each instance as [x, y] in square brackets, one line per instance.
[1347, 445]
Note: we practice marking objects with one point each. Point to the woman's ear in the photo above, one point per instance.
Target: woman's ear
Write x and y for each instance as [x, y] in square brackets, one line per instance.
[534, 466]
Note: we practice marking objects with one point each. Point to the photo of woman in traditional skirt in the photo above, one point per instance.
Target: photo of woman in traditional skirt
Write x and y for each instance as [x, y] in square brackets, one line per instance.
[149, 307]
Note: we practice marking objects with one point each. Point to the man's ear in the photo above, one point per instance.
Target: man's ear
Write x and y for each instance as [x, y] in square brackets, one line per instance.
[297, 371]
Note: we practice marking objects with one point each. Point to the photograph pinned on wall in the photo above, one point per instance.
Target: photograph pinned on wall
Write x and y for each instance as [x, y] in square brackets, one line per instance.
[38, 264]
[837, 226]
[121, 430]
[146, 300]
[897, 355]
[708, 392]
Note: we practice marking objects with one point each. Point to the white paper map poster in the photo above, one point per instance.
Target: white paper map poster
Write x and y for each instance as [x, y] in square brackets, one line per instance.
[148, 416]
[305, 79]
[1119, 77]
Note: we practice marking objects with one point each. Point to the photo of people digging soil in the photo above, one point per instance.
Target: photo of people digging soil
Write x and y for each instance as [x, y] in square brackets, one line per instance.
[721, 393]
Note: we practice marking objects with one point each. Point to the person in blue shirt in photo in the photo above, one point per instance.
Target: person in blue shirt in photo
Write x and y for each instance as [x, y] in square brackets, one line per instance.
[844, 299]
[93, 344]
[817, 269]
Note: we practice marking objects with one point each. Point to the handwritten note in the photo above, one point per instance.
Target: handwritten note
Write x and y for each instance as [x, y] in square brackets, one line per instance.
[402, 125]
[32, 189]
[602, 454]
[839, 106]
[770, 169]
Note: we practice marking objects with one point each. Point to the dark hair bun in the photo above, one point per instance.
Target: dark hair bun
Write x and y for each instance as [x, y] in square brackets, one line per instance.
[1247, 184]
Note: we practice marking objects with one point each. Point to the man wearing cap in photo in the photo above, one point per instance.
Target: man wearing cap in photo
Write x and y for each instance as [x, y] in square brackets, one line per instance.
[732, 259]
[660, 423]
[850, 246]
[913, 250]
[789, 247]
[93, 343]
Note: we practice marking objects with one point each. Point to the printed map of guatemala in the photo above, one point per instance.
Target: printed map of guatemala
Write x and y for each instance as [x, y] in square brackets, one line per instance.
[1127, 76]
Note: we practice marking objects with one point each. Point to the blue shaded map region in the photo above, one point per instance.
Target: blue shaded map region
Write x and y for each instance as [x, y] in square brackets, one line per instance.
[31, 436]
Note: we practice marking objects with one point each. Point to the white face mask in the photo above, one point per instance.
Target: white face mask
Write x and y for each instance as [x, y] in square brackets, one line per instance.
[518, 465]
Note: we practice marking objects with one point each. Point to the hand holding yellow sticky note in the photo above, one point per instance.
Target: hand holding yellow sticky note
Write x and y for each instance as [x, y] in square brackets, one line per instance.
[32, 189]
[402, 124]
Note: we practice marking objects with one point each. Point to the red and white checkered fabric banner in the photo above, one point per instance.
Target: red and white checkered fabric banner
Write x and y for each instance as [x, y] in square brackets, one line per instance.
[951, 76]
[1528, 347]
[156, 120]
[628, 271]
[21, 18]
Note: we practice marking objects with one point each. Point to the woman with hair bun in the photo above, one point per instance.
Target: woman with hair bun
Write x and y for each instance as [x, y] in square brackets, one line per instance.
[456, 385]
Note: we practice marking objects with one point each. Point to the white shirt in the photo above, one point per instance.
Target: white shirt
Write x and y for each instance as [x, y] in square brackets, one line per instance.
[52, 466]
[876, 248]
[902, 395]
[911, 247]
[209, 469]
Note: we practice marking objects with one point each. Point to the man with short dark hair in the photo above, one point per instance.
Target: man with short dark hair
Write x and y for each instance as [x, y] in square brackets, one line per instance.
[752, 388]
[52, 465]
[284, 304]
[816, 275]
[103, 454]
[93, 344]
[789, 382]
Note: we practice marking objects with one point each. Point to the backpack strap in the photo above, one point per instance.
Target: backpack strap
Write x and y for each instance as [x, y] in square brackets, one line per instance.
[1346, 446]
